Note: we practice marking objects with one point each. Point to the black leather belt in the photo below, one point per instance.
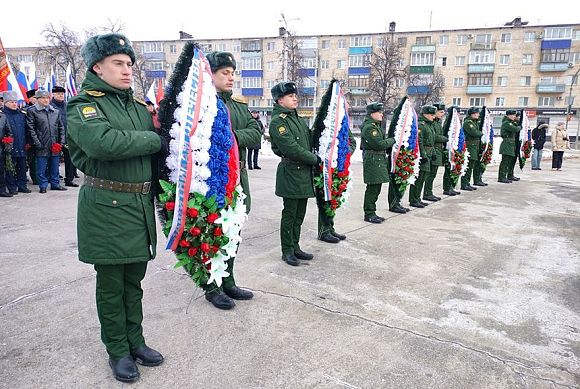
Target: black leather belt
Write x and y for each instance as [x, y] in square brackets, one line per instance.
[116, 186]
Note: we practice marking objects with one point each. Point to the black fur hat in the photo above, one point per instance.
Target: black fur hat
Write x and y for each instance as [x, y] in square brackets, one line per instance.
[102, 46]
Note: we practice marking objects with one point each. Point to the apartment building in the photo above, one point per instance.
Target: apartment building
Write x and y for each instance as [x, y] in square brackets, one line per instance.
[512, 66]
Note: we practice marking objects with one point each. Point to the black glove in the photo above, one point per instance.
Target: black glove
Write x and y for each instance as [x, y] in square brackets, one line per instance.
[424, 160]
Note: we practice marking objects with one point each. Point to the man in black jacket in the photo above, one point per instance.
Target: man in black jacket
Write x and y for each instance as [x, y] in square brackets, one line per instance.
[47, 133]
[539, 137]
[59, 103]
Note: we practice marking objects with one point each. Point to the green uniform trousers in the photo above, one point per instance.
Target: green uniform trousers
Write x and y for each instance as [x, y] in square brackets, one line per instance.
[447, 181]
[394, 194]
[466, 179]
[477, 173]
[506, 164]
[119, 307]
[417, 187]
[511, 167]
[428, 191]
[292, 217]
[372, 193]
[325, 222]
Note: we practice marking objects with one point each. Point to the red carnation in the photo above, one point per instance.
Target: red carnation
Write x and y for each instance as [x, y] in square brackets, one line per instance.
[170, 205]
[217, 231]
[192, 212]
[183, 243]
[192, 251]
[56, 148]
[195, 231]
[7, 139]
[205, 247]
[212, 217]
[215, 249]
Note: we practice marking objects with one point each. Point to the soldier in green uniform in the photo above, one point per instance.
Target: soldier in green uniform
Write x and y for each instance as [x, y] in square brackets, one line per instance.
[439, 154]
[111, 139]
[448, 187]
[326, 232]
[247, 133]
[472, 140]
[509, 128]
[517, 145]
[374, 144]
[291, 141]
[427, 149]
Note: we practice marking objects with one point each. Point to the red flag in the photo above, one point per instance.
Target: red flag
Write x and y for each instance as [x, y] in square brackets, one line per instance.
[4, 70]
[160, 94]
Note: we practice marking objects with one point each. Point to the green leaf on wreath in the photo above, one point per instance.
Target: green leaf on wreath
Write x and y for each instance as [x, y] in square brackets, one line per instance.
[167, 187]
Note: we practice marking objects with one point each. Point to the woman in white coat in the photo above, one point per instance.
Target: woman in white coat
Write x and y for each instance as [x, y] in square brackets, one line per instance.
[560, 142]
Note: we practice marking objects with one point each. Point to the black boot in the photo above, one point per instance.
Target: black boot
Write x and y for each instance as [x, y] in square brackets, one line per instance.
[124, 369]
[329, 238]
[146, 356]
[238, 293]
[290, 259]
[337, 235]
[373, 219]
[417, 205]
[302, 255]
[431, 198]
[398, 209]
[220, 300]
[449, 193]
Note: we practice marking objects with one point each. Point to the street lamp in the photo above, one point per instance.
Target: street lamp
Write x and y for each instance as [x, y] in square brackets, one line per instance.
[574, 79]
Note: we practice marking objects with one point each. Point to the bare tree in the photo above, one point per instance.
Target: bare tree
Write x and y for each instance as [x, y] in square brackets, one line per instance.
[140, 79]
[427, 88]
[292, 59]
[386, 71]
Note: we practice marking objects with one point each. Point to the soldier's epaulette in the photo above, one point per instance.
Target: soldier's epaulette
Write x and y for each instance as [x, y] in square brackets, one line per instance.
[283, 115]
[240, 99]
[139, 101]
[94, 93]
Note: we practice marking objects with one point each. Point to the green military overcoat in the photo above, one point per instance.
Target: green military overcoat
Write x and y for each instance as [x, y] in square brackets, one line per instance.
[439, 154]
[291, 140]
[426, 143]
[247, 135]
[111, 136]
[375, 145]
[472, 137]
[508, 129]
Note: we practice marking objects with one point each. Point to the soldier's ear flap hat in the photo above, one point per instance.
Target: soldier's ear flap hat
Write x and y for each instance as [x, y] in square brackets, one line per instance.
[220, 59]
[375, 107]
[439, 106]
[10, 95]
[472, 110]
[41, 93]
[511, 112]
[429, 110]
[282, 89]
[98, 47]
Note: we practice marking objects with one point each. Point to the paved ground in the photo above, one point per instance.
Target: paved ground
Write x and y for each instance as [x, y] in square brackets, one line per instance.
[479, 291]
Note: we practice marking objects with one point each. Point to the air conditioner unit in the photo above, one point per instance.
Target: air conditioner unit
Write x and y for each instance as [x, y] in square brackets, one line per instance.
[559, 98]
[470, 36]
[540, 36]
[238, 72]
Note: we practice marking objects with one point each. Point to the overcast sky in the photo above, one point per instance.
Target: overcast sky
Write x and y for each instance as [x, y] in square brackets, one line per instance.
[22, 22]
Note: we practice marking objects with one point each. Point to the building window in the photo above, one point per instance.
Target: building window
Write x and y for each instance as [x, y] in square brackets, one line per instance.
[529, 37]
[460, 61]
[342, 43]
[569, 100]
[423, 40]
[361, 41]
[456, 101]
[547, 80]
[502, 81]
[569, 80]
[306, 102]
[555, 55]
[309, 63]
[402, 62]
[254, 103]
[523, 101]
[252, 45]
[155, 65]
[500, 101]
[271, 65]
[340, 64]
[504, 59]
[443, 61]
[546, 101]
[324, 83]
[270, 84]
[458, 81]
[152, 47]
[527, 59]
[483, 39]
[325, 64]
[480, 79]
[461, 39]
[422, 59]
[477, 101]
[237, 84]
[481, 56]
[402, 41]
[399, 82]
[252, 63]
[308, 43]
[236, 48]
[525, 81]
[325, 44]
[358, 60]
[558, 33]
[358, 82]
[251, 82]
[506, 37]
[173, 49]
[271, 46]
[443, 40]
[575, 58]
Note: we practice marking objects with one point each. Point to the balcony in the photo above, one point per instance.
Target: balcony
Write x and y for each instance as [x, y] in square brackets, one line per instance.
[359, 50]
[155, 73]
[362, 70]
[306, 91]
[480, 68]
[479, 89]
[425, 69]
[159, 56]
[418, 90]
[482, 46]
[358, 91]
[252, 91]
[423, 49]
[553, 66]
[551, 88]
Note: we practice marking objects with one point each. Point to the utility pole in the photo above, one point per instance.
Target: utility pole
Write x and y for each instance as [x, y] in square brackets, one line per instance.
[569, 111]
[286, 33]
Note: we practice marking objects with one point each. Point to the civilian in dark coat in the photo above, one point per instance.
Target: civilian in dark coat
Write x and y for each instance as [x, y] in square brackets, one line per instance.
[5, 132]
[255, 149]
[17, 120]
[59, 103]
[539, 137]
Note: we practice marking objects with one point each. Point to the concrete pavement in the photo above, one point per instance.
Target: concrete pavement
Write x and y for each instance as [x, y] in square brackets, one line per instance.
[481, 290]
